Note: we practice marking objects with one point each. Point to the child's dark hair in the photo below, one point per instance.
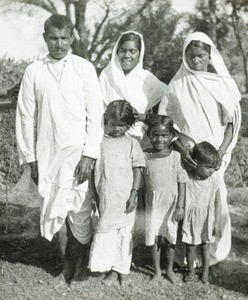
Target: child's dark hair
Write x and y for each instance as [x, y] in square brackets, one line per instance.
[206, 153]
[119, 111]
[155, 120]
[59, 22]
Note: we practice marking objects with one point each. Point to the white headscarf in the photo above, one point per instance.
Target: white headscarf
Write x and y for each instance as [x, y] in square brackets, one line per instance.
[140, 87]
[207, 100]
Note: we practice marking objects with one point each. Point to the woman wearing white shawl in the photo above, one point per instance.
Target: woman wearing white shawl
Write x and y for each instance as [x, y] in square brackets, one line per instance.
[134, 84]
[211, 112]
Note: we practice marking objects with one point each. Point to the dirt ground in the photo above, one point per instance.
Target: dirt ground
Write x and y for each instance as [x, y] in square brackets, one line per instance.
[29, 263]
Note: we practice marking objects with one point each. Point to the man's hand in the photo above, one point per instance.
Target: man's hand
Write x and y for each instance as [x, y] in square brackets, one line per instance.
[34, 171]
[83, 169]
[179, 214]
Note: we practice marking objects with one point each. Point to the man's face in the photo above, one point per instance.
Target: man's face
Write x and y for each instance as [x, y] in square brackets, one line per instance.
[58, 42]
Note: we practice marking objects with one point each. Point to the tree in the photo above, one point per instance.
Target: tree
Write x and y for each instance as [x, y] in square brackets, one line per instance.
[210, 18]
[239, 8]
[110, 18]
[159, 25]
[224, 22]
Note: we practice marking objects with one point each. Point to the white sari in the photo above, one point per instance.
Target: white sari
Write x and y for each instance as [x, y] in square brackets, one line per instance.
[140, 87]
[208, 102]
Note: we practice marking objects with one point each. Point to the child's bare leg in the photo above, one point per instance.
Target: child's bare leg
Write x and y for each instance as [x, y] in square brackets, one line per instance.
[170, 255]
[190, 253]
[156, 254]
[205, 261]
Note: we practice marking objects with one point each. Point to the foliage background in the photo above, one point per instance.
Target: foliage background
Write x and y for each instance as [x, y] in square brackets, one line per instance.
[164, 31]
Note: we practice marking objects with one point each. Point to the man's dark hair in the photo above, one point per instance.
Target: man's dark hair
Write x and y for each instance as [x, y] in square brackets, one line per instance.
[58, 21]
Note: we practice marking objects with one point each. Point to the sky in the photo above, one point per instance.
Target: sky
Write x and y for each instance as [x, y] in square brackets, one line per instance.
[21, 34]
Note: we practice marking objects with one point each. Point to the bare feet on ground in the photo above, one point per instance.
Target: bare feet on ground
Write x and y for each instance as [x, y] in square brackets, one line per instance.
[111, 278]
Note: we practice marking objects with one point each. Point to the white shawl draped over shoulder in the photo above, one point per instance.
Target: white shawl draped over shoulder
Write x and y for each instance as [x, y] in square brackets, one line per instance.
[140, 87]
[208, 102]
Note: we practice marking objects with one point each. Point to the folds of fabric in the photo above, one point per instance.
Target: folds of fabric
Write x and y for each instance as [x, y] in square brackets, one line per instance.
[208, 102]
[59, 118]
[161, 177]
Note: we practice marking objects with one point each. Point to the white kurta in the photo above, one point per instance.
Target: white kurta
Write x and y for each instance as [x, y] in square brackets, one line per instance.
[207, 102]
[59, 115]
[140, 87]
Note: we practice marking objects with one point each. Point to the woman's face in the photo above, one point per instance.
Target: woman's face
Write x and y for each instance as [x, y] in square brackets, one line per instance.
[128, 55]
[197, 58]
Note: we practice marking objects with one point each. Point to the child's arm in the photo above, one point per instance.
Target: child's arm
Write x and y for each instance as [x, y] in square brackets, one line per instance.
[179, 214]
[217, 206]
[133, 198]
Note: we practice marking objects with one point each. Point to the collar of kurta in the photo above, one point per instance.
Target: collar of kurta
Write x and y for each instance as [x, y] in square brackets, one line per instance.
[49, 59]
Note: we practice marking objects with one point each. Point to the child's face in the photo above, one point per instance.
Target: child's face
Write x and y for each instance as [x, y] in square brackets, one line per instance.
[160, 137]
[116, 129]
[204, 170]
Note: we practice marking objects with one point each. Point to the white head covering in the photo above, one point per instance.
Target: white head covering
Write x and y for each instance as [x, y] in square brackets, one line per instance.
[114, 73]
[140, 87]
[216, 58]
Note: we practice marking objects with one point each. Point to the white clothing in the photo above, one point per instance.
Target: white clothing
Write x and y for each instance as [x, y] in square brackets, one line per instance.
[112, 245]
[162, 176]
[140, 87]
[207, 102]
[58, 119]
[112, 250]
[114, 180]
[199, 216]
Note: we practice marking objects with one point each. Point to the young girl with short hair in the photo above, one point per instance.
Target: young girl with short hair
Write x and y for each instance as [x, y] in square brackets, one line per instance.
[165, 192]
[117, 181]
[202, 208]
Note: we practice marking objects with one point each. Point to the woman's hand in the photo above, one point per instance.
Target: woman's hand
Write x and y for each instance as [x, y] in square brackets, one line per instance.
[187, 159]
[136, 114]
[83, 169]
[131, 202]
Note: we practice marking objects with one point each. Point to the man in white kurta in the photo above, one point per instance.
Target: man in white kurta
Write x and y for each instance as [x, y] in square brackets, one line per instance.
[58, 125]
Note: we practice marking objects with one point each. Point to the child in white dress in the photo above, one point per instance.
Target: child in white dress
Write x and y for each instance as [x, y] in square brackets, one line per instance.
[202, 208]
[118, 173]
[165, 193]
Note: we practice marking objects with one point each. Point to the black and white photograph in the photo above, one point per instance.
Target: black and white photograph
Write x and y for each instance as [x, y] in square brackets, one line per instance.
[124, 149]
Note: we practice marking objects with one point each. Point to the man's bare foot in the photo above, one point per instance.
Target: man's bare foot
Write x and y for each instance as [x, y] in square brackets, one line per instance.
[124, 280]
[59, 281]
[110, 278]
